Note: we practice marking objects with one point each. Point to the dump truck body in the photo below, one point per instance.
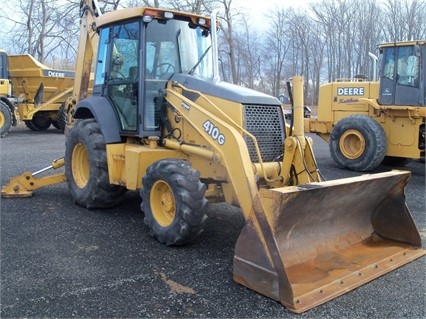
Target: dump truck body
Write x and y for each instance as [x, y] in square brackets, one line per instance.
[40, 90]
[33, 93]
[383, 121]
[164, 124]
[27, 74]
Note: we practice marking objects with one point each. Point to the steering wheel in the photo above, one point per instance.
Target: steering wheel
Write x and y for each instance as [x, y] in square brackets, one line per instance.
[117, 75]
[170, 68]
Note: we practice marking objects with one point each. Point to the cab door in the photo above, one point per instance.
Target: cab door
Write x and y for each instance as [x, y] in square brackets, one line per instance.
[122, 80]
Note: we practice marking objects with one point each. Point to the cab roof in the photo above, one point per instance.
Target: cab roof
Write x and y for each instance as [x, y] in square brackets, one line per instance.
[156, 13]
[402, 43]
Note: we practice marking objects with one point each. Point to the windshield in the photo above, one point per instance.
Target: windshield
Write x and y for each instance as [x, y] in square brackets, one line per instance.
[402, 64]
[177, 47]
[3, 66]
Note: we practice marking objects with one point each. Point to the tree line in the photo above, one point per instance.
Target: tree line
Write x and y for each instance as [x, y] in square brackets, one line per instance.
[324, 41]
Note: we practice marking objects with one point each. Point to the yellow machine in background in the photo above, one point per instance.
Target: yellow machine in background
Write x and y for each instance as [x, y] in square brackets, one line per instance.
[163, 123]
[7, 118]
[367, 123]
[33, 93]
[7, 103]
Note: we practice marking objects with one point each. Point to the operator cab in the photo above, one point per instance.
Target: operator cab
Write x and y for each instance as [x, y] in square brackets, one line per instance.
[138, 56]
[5, 82]
[402, 74]
[4, 73]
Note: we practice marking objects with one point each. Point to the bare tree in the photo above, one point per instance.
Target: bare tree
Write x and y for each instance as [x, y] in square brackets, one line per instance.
[43, 28]
[366, 37]
[328, 40]
[141, 3]
[275, 50]
[404, 20]
[335, 16]
[307, 51]
[193, 6]
[248, 56]
[227, 27]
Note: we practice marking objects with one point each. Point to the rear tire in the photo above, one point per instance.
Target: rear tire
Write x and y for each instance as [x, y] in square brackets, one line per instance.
[62, 118]
[6, 119]
[358, 143]
[38, 123]
[86, 167]
[56, 125]
[173, 201]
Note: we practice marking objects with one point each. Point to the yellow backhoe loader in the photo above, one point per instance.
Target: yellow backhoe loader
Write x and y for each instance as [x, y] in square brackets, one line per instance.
[370, 122]
[160, 121]
[33, 93]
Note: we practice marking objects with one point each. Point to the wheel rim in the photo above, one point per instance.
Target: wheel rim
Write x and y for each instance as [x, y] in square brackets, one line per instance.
[162, 203]
[2, 119]
[80, 165]
[352, 144]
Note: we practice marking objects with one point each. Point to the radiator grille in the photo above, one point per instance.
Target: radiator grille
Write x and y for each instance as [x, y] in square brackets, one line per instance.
[266, 123]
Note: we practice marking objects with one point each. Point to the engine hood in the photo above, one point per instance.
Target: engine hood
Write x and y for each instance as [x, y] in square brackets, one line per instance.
[225, 90]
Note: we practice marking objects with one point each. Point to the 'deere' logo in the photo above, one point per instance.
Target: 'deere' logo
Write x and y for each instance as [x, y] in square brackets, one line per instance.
[350, 91]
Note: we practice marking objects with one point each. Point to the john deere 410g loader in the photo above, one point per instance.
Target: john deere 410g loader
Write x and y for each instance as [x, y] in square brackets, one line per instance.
[372, 122]
[160, 121]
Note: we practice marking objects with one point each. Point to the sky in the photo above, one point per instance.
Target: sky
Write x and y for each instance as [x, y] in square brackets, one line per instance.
[252, 8]
[255, 10]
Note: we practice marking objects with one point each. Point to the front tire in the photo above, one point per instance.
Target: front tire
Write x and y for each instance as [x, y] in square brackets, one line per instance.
[173, 201]
[358, 143]
[6, 119]
[86, 167]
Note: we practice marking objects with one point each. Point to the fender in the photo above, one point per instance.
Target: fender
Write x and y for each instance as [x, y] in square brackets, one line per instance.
[101, 109]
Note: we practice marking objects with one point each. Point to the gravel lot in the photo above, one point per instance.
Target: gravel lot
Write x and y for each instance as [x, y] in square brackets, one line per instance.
[59, 260]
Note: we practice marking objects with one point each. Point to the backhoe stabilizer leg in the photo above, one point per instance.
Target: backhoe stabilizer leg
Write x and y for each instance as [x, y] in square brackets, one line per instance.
[25, 184]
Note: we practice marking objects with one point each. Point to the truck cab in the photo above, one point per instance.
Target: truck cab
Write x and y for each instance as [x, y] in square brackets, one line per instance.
[5, 84]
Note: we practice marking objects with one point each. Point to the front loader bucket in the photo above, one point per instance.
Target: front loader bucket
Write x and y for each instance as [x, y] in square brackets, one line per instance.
[318, 241]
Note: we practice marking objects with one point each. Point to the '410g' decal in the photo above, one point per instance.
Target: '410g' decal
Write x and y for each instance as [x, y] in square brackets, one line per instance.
[214, 132]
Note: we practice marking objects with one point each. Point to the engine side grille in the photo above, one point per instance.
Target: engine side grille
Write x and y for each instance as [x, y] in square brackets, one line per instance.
[266, 123]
